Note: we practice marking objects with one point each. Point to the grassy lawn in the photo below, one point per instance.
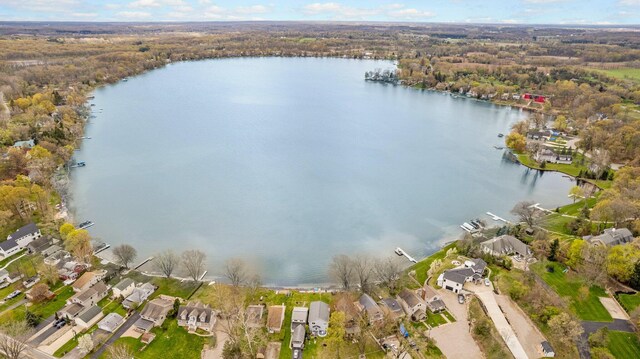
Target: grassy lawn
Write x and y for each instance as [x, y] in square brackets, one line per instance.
[422, 267]
[449, 316]
[623, 73]
[47, 309]
[629, 301]
[174, 342]
[568, 285]
[572, 169]
[166, 286]
[624, 345]
[109, 306]
[435, 319]
[9, 259]
[485, 333]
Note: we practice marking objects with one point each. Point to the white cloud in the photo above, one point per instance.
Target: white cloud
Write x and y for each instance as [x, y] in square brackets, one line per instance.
[41, 5]
[144, 3]
[343, 12]
[411, 14]
[253, 9]
[544, 1]
[629, 2]
[85, 15]
[134, 14]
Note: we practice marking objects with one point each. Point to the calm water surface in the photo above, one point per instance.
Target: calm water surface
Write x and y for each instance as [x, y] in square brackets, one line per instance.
[287, 162]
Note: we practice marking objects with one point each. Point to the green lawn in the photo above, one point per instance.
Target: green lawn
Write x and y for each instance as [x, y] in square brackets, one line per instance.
[629, 301]
[422, 267]
[624, 345]
[7, 260]
[449, 316]
[109, 306]
[166, 286]
[572, 169]
[568, 285]
[435, 319]
[174, 342]
[623, 73]
[47, 309]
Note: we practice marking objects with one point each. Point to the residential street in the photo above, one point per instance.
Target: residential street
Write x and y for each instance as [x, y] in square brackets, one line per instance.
[123, 328]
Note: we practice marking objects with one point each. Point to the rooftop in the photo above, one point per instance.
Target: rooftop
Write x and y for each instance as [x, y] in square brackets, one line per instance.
[30, 228]
[90, 313]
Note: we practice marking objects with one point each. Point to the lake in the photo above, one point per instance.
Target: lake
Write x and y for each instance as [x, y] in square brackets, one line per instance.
[287, 162]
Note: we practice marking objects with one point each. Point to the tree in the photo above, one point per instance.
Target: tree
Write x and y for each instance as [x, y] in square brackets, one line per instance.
[341, 270]
[621, 261]
[387, 272]
[335, 339]
[32, 319]
[13, 342]
[235, 271]
[119, 351]
[516, 142]
[576, 192]
[39, 292]
[575, 253]
[125, 254]
[85, 343]
[593, 263]
[79, 243]
[166, 262]
[560, 123]
[525, 212]
[363, 271]
[65, 229]
[634, 281]
[565, 327]
[193, 262]
[553, 250]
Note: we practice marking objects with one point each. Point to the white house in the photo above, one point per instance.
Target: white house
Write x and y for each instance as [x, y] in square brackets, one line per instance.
[89, 317]
[319, 318]
[196, 316]
[111, 322]
[547, 350]
[91, 295]
[138, 295]
[299, 317]
[124, 288]
[19, 239]
[455, 279]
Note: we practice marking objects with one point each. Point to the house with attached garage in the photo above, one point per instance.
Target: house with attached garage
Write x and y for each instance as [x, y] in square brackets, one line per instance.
[505, 245]
[111, 322]
[154, 313]
[433, 299]
[138, 295]
[299, 317]
[392, 307]
[371, 308]
[89, 317]
[319, 318]
[195, 315]
[91, 295]
[19, 240]
[88, 279]
[611, 237]
[412, 304]
[455, 279]
[123, 289]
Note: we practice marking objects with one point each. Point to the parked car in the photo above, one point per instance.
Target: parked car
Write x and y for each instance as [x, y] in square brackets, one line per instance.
[13, 294]
[487, 282]
[60, 323]
[461, 298]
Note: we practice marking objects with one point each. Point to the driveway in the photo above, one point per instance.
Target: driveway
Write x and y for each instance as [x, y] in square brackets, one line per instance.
[221, 338]
[528, 334]
[123, 328]
[463, 346]
[617, 324]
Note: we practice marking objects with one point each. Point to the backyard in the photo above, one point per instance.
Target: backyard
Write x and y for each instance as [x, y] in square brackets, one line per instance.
[624, 345]
[629, 301]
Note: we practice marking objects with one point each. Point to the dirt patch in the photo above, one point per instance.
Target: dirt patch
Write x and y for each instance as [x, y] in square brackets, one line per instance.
[614, 308]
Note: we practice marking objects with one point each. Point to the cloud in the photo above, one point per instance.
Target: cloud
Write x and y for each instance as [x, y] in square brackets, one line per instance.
[343, 12]
[544, 1]
[253, 9]
[41, 5]
[629, 2]
[410, 14]
[134, 14]
[156, 3]
[85, 15]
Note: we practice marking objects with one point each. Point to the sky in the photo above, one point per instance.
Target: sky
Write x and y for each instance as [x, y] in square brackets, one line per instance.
[599, 12]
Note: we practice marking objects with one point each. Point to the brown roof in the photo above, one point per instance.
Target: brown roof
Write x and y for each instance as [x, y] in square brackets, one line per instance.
[83, 280]
[274, 319]
[157, 308]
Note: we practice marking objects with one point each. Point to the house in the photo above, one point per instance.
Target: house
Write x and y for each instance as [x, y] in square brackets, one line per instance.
[318, 318]
[299, 317]
[343, 303]
[90, 296]
[538, 135]
[154, 313]
[50, 251]
[195, 315]
[147, 338]
[25, 235]
[70, 311]
[89, 317]
[433, 299]
[111, 322]
[4, 275]
[138, 295]
[547, 350]
[123, 289]
[38, 245]
[455, 279]
[611, 237]
[254, 316]
[87, 280]
[297, 337]
[275, 317]
[28, 144]
[392, 306]
[477, 264]
[411, 303]
[368, 305]
[505, 245]
[547, 155]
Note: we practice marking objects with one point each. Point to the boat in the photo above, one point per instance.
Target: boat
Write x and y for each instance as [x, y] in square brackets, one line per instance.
[498, 147]
[500, 135]
[85, 224]
[399, 252]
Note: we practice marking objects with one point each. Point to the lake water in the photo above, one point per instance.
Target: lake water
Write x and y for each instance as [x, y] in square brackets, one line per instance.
[286, 162]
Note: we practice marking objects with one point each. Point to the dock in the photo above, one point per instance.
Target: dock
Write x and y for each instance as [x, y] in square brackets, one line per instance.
[202, 276]
[401, 252]
[537, 206]
[143, 263]
[496, 218]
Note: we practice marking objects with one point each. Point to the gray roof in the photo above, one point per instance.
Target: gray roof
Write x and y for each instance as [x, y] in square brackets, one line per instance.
[90, 313]
[437, 304]
[613, 236]
[30, 228]
[24, 144]
[111, 321]
[546, 347]
[318, 311]
[123, 284]
[479, 265]
[506, 244]
[203, 312]
[299, 314]
[40, 244]
[8, 244]
[392, 304]
[144, 324]
[458, 275]
[157, 308]
[298, 334]
[409, 297]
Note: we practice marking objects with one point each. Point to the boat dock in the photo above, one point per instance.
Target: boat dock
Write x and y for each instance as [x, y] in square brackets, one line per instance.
[202, 276]
[496, 218]
[399, 251]
[143, 263]
[537, 206]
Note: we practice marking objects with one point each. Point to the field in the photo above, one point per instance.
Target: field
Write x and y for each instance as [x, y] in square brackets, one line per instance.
[629, 301]
[623, 73]
[586, 307]
[624, 345]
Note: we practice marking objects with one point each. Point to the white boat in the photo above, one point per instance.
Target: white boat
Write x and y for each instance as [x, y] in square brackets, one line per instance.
[399, 251]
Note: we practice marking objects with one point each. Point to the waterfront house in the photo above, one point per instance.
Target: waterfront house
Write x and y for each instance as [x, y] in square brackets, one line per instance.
[154, 313]
[89, 317]
[123, 289]
[138, 295]
[371, 308]
[111, 322]
[254, 316]
[91, 295]
[392, 307]
[297, 337]
[412, 304]
[38, 245]
[195, 315]
[505, 245]
[88, 279]
[455, 279]
[432, 298]
[547, 155]
[611, 237]
[343, 303]
[299, 317]
[275, 317]
[477, 264]
[318, 318]
[19, 240]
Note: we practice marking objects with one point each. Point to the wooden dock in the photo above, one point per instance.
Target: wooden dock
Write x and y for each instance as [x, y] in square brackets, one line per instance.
[496, 218]
[401, 252]
[143, 263]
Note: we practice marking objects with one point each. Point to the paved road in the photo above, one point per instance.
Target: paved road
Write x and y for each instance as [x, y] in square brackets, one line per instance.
[46, 334]
[583, 347]
[123, 328]
[617, 324]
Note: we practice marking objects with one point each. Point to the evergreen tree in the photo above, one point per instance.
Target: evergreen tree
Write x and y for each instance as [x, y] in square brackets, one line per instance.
[634, 282]
[553, 250]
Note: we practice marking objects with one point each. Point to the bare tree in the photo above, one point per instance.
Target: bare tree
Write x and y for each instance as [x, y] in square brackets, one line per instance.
[13, 338]
[526, 212]
[119, 351]
[85, 343]
[341, 269]
[387, 271]
[362, 269]
[166, 262]
[193, 262]
[235, 270]
[125, 254]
